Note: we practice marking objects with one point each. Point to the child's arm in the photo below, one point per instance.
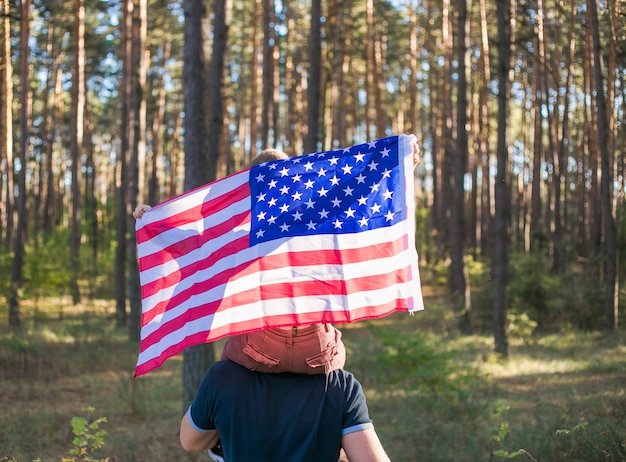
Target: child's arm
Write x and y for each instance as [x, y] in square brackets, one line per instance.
[416, 153]
[140, 210]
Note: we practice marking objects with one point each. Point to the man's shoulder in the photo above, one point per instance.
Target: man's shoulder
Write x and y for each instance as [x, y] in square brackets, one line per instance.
[229, 368]
[226, 366]
[220, 368]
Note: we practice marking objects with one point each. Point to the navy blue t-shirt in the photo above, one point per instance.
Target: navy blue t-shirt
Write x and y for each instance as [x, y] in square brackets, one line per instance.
[270, 417]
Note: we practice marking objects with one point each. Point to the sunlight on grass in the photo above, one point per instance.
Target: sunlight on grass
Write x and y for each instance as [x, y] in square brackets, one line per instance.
[46, 334]
[528, 366]
[560, 354]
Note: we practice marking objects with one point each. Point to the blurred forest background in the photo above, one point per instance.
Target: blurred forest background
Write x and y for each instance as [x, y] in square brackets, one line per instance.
[518, 104]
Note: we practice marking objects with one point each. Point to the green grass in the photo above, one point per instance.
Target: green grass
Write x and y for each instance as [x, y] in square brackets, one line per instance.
[433, 396]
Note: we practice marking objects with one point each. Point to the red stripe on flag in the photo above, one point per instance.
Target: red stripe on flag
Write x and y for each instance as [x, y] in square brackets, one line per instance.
[168, 280]
[193, 214]
[291, 259]
[194, 242]
[276, 291]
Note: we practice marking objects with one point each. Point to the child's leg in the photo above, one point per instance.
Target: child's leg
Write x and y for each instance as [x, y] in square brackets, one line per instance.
[321, 349]
[247, 350]
[314, 349]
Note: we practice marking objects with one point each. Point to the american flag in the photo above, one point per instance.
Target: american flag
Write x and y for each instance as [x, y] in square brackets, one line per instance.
[325, 237]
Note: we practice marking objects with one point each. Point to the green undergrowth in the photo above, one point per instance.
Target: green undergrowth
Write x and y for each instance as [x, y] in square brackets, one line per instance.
[443, 398]
[433, 396]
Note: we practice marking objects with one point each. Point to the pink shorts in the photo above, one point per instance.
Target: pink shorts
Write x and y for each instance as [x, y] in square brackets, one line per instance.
[314, 349]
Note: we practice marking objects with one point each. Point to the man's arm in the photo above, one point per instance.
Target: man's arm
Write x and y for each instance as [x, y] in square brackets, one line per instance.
[194, 440]
[364, 446]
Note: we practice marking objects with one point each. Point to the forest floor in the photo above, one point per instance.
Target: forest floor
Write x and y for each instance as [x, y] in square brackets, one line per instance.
[433, 396]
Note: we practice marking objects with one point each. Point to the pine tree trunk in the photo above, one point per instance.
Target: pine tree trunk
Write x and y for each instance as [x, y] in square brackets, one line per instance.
[267, 87]
[137, 158]
[314, 84]
[19, 241]
[558, 261]
[501, 256]
[76, 142]
[6, 126]
[606, 185]
[447, 121]
[484, 154]
[458, 282]
[200, 167]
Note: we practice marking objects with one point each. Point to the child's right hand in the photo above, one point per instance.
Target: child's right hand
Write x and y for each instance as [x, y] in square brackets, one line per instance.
[140, 210]
[416, 153]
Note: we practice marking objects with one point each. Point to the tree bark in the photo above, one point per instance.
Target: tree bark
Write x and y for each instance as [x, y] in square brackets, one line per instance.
[484, 153]
[314, 84]
[369, 68]
[269, 42]
[6, 126]
[122, 167]
[158, 120]
[137, 158]
[503, 203]
[458, 282]
[606, 182]
[217, 148]
[558, 260]
[198, 169]
[447, 134]
[19, 241]
[76, 142]
[254, 84]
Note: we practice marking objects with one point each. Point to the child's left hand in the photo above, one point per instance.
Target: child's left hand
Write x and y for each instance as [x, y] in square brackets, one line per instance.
[140, 210]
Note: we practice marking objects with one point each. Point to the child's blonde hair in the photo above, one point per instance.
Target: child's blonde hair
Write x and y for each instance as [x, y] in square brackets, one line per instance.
[267, 155]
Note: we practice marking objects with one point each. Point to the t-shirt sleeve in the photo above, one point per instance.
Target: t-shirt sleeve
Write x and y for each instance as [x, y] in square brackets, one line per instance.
[356, 416]
[199, 415]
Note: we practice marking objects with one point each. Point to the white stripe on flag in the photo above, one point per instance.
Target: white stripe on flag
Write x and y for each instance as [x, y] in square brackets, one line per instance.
[235, 285]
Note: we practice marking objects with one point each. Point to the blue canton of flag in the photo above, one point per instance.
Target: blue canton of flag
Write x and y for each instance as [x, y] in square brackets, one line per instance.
[335, 192]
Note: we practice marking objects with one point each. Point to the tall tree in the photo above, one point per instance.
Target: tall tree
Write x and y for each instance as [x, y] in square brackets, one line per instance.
[447, 135]
[158, 128]
[606, 182]
[369, 69]
[314, 83]
[536, 228]
[42, 218]
[413, 48]
[217, 147]
[6, 125]
[269, 43]
[19, 242]
[254, 84]
[198, 171]
[122, 167]
[435, 121]
[547, 112]
[377, 75]
[458, 282]
[137, 153]
[503, 203]
[484, 133]
[558, 262]
[77, 112]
